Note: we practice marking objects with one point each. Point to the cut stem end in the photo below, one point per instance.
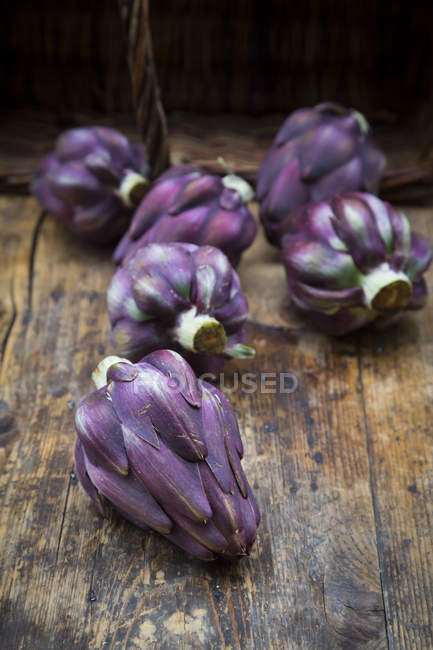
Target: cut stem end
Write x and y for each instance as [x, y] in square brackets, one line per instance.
[132, 189]
[210, 339]
[200, 333]
[387, 291]
[393, 297]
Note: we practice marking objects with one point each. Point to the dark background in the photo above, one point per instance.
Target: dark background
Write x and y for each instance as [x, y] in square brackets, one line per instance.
[229, 72]
[243, 56]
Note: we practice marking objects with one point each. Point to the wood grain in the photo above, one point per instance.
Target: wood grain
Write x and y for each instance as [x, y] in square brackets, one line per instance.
[397, 385]
[341, 467]
[17, 246]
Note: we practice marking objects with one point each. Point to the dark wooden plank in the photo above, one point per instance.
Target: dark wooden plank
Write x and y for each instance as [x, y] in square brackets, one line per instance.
[358, 420]
[312, 466]
[41, 374]
[17, 246]
[397, 382]
[71, 579]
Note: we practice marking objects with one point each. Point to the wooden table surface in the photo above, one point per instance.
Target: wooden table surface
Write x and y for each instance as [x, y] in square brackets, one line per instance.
[341, 466]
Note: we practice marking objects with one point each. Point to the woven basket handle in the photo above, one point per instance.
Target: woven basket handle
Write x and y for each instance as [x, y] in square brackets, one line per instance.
[145, 89]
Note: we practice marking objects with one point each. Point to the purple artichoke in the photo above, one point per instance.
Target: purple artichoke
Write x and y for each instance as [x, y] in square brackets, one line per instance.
[179, 296]
[164, 449]
[188, 204]
[317, 152]
[92, 181]
[353, 260]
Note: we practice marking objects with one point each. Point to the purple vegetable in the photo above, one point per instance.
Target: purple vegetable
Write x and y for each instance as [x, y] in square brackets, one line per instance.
[317, 152]
[164, 449]
[181, 296]
[188, 204]
[92, 181]
[353, 260]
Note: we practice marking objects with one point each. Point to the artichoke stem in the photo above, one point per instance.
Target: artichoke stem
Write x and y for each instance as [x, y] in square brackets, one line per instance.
[199, 333]
[132, 189]
[244, 189]
[99, 375]
[386, 290]
[362, 121]
[239, 351]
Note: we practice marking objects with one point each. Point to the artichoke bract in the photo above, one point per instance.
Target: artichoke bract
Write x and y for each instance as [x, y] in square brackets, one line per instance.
[179, 296]
[164, 449]
[317, 152]
[188, 204]
[354, 260]
[92, 181]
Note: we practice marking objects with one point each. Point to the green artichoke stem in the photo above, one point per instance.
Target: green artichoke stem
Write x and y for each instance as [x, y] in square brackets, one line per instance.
[240, 185]
[362, 121]
[199, 333]
[99, 375]
[132, 189]
[386, 290]
[239, 351]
